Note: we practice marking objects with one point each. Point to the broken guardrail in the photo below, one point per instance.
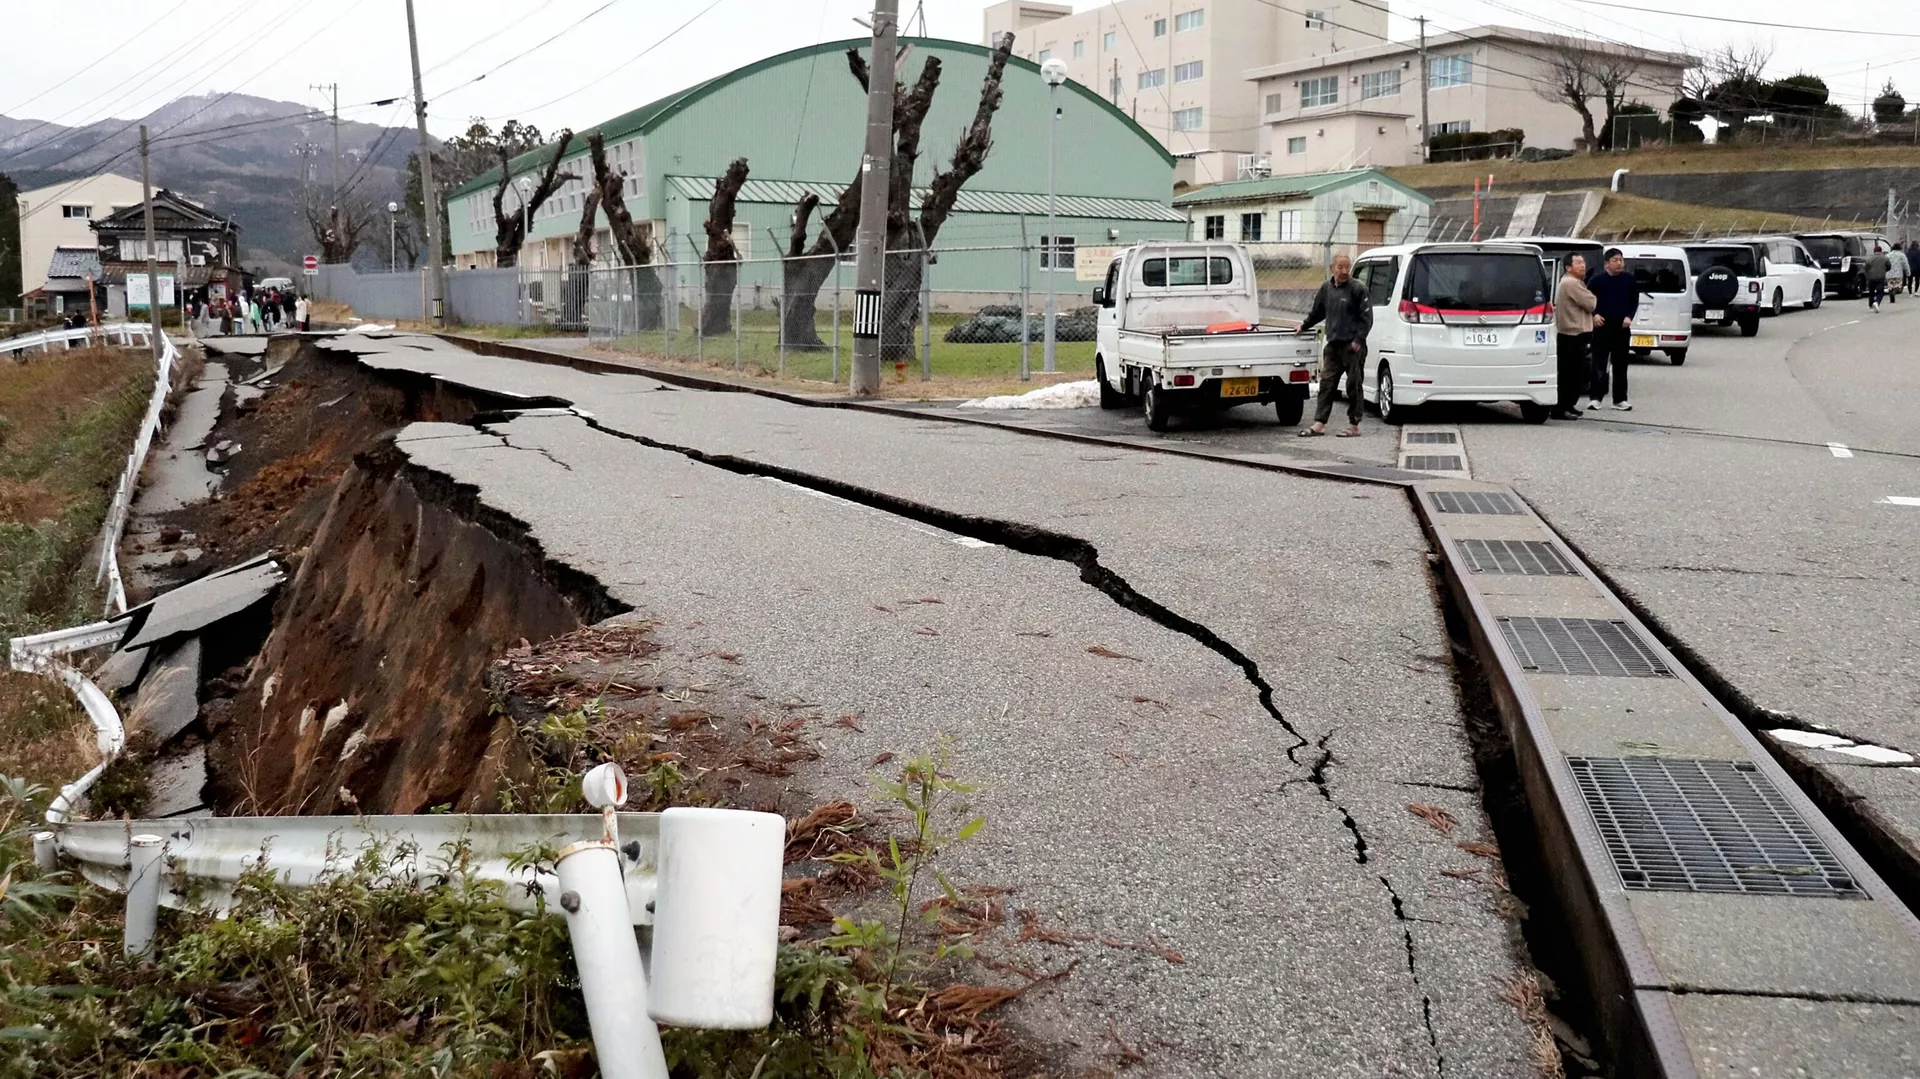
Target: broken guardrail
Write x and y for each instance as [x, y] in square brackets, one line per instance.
[122, 504]
[40, 654]
[121, 333]
[706, 880]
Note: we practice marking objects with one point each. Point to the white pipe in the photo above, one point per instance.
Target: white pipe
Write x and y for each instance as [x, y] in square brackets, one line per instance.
[593, 897]
[1617, 174]
[716, 928]
[144, 855]
[45, 854]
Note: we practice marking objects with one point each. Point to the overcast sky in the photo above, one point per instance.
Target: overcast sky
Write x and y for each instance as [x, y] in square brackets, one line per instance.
[59, 68]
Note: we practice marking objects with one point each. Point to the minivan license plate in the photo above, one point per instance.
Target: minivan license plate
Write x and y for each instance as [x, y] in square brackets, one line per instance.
[1483, 337]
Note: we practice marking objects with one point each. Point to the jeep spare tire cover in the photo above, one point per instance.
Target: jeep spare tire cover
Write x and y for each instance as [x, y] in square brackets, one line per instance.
[1717, 286]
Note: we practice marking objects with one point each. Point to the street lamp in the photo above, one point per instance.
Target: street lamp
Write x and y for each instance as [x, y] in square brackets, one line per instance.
[1053, 73]
[393, 233]
[526, 230]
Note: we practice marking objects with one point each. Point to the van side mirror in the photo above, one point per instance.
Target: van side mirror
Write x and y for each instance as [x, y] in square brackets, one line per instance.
[1100, 296]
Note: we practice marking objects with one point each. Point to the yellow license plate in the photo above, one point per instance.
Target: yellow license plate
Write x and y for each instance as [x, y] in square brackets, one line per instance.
[1642, 340]
[1239, 387]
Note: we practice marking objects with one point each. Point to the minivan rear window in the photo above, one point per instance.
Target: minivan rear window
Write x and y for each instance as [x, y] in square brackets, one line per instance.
[1738, 259]
[1825, 247]
[1477, 281]
[1659, 275]
[1186, 270]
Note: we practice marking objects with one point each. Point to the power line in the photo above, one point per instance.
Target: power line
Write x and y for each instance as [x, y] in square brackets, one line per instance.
[524, 53]
[622, 65]
[1746, 22]
[482, 41]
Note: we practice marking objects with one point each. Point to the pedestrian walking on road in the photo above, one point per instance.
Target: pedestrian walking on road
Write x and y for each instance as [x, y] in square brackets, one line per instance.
[300, 314]
[1573, 320]
[1877, 266]
[1913, 266]
[1616, 296]
[1343, 305]
[226, 317]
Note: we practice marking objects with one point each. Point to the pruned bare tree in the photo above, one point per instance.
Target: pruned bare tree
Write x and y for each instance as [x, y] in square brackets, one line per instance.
[807, 267]
[580, 267]
[633, 241]
[722, 257]
[1574, 74]
[1724, 72]
[509, 227]
[338, 227]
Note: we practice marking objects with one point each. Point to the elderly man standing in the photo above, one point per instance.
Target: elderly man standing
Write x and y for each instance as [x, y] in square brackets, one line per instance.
[1574, 322]
[1343, 305]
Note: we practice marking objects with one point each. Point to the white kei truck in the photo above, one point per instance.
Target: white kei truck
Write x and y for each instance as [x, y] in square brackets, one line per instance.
[1179, 331]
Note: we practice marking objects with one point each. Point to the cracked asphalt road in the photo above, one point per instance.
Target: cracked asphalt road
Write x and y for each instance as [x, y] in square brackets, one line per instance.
[1150, 797]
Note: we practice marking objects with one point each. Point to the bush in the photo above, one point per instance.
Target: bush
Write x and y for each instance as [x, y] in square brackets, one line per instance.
[1478, 145]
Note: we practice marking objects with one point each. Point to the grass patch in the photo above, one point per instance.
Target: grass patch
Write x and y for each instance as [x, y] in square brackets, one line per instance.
[1678, 159]
[66, 422]
[1624, 217]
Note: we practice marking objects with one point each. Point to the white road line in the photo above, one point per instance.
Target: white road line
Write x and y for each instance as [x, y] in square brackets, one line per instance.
[1840, 449]
[1898, 500]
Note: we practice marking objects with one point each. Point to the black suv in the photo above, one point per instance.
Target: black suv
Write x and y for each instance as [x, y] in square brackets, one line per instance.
[1843, 256]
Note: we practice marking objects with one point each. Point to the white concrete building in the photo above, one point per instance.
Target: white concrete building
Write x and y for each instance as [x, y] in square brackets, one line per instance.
[1361, 107]
[1179, 67]
[62, 215]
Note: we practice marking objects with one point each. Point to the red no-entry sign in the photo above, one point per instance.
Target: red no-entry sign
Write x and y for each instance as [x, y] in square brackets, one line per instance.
[311, 262]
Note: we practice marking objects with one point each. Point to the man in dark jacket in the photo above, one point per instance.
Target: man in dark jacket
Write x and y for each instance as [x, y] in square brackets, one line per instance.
[1913, 266]
[1616, 298]
[1343, 305]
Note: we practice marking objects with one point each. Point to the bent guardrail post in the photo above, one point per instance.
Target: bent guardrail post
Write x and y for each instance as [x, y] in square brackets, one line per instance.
[606, 953]
[45, 855]
[144, 856]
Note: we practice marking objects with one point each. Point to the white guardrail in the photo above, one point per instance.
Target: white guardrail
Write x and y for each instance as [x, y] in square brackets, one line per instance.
[119, 333]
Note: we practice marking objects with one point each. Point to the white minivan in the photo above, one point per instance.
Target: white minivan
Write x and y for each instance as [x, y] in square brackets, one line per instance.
[1459, 322]
[1665, 316]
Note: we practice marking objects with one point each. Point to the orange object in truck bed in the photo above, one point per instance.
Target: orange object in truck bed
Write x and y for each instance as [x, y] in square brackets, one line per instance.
[1230, 327]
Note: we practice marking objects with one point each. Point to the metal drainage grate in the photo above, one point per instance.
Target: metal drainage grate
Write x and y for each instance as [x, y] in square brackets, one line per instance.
[1528, 558]
[1581, 646]
[1432, 438]
[1450, 463]
[1476, 502]
[1705, 826]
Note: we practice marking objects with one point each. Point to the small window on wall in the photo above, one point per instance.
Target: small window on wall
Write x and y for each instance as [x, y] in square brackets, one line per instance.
[76, 211]
[1316, 20]
[1079, 49]
[1151, 79]
[1187, 119]
[1317, 92]
[1288, 230]
[1276, 102]
[1159, 28]
[1214, 227]
[1056, 252]
[1296, 146]
[1189, 20]
[1250, 227]
[1190, 71]
[1445, 71]
[1107, 41]
[1380, 83]
[1450, 127]
[1045, 55]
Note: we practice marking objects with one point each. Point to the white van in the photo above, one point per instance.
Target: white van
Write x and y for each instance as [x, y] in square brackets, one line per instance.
[1665, 317]
[1459, 322]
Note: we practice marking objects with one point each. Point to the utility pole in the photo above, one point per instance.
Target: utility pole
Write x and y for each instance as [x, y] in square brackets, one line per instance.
[153, 273]
[1424, 126]
[334, 89]
[429, 198]
[871, 241]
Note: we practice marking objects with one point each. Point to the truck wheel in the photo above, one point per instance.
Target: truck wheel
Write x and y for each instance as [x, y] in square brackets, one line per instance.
[1290, 406]
[1155, 403]
[1110, 398]
[1750, 325]
[1676, 356]
[1383, 396]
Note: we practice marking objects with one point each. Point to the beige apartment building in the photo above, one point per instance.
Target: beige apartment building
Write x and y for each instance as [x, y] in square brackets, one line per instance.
[1360, 108]
[62, 215]
[1179, 67]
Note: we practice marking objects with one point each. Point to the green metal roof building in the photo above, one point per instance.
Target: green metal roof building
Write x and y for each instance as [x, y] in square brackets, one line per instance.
[799, 119]
[1352, 210]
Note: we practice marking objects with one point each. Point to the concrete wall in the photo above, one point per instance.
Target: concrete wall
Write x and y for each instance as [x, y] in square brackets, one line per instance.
[1815, 194]
[43, 227]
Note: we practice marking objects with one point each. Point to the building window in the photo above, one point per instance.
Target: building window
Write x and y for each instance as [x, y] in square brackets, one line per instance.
[1045, 55]
[76, 211]
[1159, 28]
[1316, 92]
[1107, 42]
[1151, 79]
[1450, 71]
[1380, 83]
[1215, 227]
[1079, 49]
[1187, 119]
[1450, 127]
[1316, 20]
[1189, 20]
[1188, 72]
[1288, 230]
[1276, 102]
[1056, 252]
[1296, 145]
[1250, 228]
[743, 240]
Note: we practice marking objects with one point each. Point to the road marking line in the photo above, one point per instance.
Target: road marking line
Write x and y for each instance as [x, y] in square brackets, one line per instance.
[1898, 500]
[1840, 449]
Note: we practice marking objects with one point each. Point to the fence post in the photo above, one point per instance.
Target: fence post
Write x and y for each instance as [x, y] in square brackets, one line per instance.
[926, 309]
[780, 304]
[1026, 344]
[736, 314]
[836, 309]
[699, 305]
[144, 854]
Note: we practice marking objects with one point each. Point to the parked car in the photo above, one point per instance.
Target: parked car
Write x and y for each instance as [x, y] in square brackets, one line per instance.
[1557, 251]
[1789, 275]
[1180, 331]
[284, 284]
[1665, 317]
[1726, 285]
[1842, 256]
[1460, 322]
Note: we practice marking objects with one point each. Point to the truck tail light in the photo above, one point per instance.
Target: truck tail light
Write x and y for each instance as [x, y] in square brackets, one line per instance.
[1418, 312]
[1543, 313]
[1183, 380]
[1298, 374]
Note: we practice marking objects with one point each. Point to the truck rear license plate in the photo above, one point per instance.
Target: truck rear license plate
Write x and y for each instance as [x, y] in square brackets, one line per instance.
[1716, 314]
[1483, 337]
[1239, 387]
[1642, 340]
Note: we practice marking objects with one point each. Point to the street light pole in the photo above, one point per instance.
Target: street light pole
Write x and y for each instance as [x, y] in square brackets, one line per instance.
[1053, 73]
[526, 230]
[393, 238]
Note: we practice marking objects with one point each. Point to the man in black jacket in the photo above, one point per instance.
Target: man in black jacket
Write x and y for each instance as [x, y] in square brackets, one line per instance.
[1343, 305]
[1616, 297]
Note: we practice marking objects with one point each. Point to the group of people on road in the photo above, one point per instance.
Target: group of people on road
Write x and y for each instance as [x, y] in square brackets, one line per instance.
[1593, 324]
[248, 312]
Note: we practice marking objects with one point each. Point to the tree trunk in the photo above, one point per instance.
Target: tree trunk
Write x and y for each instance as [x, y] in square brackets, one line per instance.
[801, 276]
[722, 257]
[634, 241]
[900, 303]
[509, 230]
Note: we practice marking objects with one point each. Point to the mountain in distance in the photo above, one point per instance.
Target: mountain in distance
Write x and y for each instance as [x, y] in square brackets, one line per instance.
[241, 156]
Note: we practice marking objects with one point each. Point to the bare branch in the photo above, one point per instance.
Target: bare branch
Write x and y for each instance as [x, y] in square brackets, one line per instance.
[802, 214]
[970, 155]
[634, 242]
[719, 223]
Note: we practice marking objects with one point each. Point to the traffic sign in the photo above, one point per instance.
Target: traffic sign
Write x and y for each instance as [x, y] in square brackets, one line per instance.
[310, 263]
